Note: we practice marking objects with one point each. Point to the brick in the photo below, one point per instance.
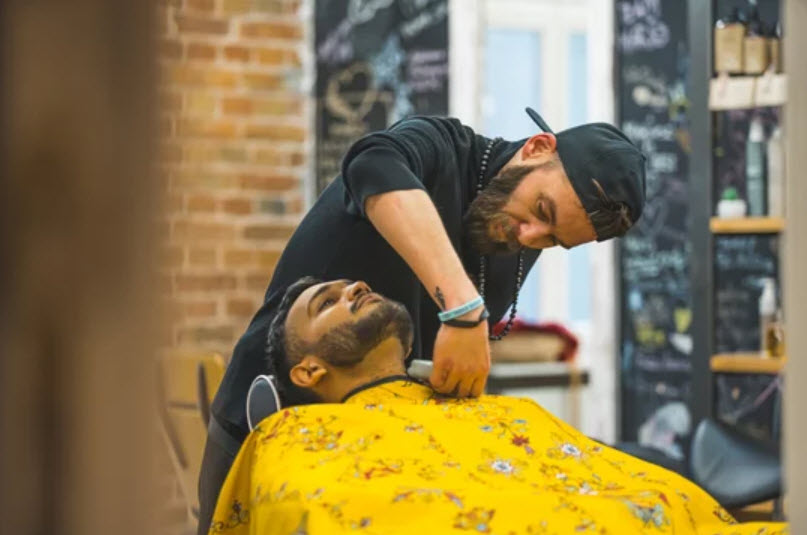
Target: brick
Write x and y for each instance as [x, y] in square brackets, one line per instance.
[241, 307]
[236, 53]
[220, 78]
[201, 203]
[273, 206]
[257, 281]
[202, 25]
[170, 49]
[200, 103]
[171, 256]
[201, 51]
[278, 106]
[280, 7]
[236, 154]
[231, 7]
[198, 309]
[201, 5]
[278, 56]
[236, 106]
[204, 283]
[272, 156]
[268, 182]
[237, 206]
[261, 81]
[271, 30]
[206, 180]
[268, 232]
[199, 257]
[276, 132]
[185, 75]
[239, 258]
[222, 334]
[200, 153]
[294, 205]
[192, 230]
[206, 128]
[268, 259]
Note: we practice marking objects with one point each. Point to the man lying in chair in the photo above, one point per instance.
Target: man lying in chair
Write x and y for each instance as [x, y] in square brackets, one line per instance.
[361, 447]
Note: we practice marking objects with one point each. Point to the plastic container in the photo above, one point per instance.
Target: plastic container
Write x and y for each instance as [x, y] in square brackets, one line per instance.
[755, 168]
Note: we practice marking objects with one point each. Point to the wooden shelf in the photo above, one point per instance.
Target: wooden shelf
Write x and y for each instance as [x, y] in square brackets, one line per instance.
[746, 225]
[746, 363]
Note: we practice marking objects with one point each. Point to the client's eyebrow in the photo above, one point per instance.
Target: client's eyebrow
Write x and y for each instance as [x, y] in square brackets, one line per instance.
[321, 290]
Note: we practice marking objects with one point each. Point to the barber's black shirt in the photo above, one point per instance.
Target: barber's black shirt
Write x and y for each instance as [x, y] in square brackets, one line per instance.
[335, 239]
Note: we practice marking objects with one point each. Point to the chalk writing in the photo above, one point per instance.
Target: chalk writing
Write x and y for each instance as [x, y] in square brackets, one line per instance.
[642, 26]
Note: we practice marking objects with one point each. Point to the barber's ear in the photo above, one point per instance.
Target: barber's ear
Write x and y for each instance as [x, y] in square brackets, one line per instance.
[307, 373]
[538, 145]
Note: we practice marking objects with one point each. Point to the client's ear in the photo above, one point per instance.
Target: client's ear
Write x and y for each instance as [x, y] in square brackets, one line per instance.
[307, 373]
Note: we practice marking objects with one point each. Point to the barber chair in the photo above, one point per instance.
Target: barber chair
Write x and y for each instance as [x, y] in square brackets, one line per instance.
[733, 469]
[263, 400]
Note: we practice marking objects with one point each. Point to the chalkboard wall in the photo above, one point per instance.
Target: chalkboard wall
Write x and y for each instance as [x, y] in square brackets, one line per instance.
[652, 62]
[377, 61]
[741, 262]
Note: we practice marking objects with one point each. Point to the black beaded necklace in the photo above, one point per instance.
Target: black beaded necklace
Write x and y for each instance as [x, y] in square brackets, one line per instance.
[480, 184]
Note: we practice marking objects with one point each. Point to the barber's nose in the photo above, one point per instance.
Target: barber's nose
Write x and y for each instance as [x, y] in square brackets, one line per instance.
[529, 233]
[356, 289]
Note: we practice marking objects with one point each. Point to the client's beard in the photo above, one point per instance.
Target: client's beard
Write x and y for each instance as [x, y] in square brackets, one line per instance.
[485, 213]
[348, 343]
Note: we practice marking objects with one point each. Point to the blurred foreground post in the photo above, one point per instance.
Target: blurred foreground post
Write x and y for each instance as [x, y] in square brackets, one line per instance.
[77, 204]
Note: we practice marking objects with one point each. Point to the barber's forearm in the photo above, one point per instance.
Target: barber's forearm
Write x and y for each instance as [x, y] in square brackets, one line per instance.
[410, 223]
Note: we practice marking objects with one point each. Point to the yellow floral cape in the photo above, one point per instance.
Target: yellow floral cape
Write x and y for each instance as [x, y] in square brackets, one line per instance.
[398, 459]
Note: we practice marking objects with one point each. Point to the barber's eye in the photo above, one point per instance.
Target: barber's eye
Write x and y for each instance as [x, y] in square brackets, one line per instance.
[330, 301]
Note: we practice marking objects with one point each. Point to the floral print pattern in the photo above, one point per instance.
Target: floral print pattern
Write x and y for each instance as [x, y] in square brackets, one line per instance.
[398, 459]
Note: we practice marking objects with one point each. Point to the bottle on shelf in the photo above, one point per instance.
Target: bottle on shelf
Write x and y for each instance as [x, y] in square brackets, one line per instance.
[775, 47]
[767, 312]
[730, 205]
[755, 44]
[775, 337]
[729, 34]
[755, 167]
[776, 170]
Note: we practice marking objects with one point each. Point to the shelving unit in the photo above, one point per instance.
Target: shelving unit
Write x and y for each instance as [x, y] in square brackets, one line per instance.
[746, 225]
[706, 358]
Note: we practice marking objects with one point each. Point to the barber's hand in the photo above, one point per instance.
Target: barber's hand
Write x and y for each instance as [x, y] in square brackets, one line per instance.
[461, 360]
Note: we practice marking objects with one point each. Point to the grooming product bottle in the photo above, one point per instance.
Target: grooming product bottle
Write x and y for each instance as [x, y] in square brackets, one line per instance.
[767, 312]
[776, 174]
[775, 47]
[730, 205]
[729, 34]
[755, 168]
[755, 45]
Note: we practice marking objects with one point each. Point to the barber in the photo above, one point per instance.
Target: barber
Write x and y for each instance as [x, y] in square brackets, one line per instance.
[447, 222]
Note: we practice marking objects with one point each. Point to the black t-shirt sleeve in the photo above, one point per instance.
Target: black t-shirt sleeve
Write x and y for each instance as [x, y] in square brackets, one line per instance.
[405, 157]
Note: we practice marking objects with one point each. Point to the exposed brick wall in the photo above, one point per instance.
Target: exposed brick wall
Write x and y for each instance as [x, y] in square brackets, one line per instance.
[234, 129]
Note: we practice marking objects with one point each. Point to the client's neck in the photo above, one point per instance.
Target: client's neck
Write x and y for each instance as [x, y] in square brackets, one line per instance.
[383, 361]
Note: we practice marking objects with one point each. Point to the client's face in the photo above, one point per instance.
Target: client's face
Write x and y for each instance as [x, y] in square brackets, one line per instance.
[342, 321]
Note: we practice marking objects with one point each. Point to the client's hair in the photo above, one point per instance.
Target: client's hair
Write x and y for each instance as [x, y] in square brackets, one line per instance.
[278, 354]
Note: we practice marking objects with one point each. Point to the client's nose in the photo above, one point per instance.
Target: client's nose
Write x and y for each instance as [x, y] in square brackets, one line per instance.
[355, 290]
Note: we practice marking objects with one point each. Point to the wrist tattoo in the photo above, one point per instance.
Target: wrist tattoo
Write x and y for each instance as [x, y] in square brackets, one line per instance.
[440, 299]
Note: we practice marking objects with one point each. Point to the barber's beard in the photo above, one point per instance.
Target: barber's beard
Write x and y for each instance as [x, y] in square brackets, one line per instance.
[485, 214]
[346, 345]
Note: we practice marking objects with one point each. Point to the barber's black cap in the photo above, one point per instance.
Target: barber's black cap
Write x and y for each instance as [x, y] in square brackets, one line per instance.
[607, 172]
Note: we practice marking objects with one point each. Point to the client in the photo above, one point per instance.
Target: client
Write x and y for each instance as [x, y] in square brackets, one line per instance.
[363, 448]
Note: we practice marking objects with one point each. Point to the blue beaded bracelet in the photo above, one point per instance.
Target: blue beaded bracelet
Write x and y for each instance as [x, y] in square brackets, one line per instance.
[461, 310]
